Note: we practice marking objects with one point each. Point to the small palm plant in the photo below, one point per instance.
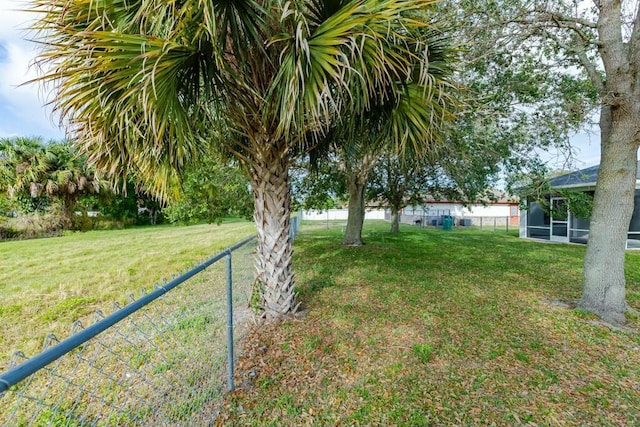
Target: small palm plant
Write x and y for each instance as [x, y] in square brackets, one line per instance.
[147, 86]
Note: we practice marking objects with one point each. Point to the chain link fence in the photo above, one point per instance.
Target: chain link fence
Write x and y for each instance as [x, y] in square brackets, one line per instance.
[483, 223]
[489, 223]
[155, 361]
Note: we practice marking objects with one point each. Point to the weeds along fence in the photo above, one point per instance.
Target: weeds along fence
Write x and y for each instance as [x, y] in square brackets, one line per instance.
[159, 360]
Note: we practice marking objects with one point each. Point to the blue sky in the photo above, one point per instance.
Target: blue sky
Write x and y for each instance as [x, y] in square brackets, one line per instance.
[21, 106]
[586, 152]
[23, 111]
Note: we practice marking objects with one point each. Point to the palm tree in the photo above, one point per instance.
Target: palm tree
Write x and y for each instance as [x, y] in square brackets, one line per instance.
[147, 86]
[54, 171]
[67, 177]
[21, 164]
[22, 168]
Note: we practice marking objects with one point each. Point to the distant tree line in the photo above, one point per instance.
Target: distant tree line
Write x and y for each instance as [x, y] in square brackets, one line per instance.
[47, 187]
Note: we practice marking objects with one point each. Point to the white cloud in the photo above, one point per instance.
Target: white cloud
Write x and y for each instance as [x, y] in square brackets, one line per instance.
[21, 106]
[12, 18]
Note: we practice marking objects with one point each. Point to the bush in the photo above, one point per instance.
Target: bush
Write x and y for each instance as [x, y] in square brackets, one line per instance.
[8, 233]
[35, 225]
[83, 222]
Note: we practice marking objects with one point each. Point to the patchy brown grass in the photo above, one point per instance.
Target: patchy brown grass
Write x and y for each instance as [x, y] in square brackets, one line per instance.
[439, 328]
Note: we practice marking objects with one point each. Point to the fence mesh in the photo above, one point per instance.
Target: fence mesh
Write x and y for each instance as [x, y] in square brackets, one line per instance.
[163, 365]
[484, 223]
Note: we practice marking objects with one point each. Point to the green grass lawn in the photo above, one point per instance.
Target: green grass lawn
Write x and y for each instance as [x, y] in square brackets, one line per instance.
[439, 328]
[46, 284]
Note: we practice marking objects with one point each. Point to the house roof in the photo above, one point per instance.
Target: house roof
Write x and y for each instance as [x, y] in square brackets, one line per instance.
[582, 178]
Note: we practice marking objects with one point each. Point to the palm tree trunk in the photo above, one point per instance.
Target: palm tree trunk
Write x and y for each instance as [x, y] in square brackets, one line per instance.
[604, 279]
[272, 198]
[68, 214]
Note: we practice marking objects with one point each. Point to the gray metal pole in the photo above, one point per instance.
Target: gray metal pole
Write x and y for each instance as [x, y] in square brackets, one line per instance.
[230, 361]
[507, 224]
[494, 224]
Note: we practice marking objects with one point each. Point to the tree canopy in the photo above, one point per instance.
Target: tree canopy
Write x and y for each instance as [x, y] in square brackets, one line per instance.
[211, 189]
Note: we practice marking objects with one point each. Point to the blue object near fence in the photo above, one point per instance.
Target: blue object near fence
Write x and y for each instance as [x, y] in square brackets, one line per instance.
[447, 223]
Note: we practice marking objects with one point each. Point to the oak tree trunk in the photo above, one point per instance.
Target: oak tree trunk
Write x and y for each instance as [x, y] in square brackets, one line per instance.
[272, 198]
[604, 280]
[395, 220]
[355, 221]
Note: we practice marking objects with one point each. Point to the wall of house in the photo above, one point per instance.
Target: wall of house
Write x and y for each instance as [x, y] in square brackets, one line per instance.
[501, 212]
[459, 211]
[634, 226]
[339, 214]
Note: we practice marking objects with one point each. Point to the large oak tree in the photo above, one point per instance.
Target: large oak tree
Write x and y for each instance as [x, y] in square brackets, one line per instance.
[560, 41]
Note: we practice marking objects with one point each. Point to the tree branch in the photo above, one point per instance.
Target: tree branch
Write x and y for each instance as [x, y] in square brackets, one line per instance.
[567, 19]
[580, 51]
[551, 21]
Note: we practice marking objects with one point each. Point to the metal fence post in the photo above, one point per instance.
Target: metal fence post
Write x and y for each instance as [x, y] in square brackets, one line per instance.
[507, 221]
[294, 225]
[494, 224]
[481, 223]
[230, 362]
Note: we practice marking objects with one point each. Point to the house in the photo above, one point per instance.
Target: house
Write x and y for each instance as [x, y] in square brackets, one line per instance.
[558, 224]
[499, 209]
[340, 214]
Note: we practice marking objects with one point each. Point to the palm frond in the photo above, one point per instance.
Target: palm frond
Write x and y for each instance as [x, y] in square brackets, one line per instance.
[347, 61]
[135, 90]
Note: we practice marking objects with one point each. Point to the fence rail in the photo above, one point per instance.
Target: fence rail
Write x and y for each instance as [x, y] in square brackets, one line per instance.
[157, 361]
